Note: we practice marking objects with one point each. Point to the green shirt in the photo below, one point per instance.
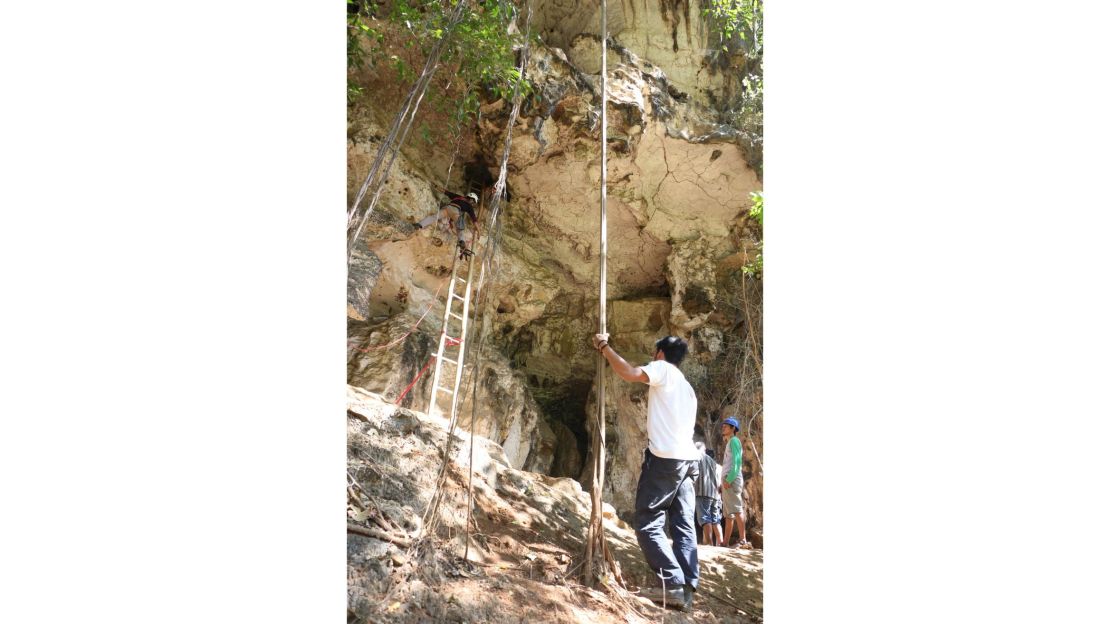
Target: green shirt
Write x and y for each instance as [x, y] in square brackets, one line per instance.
[734, 456]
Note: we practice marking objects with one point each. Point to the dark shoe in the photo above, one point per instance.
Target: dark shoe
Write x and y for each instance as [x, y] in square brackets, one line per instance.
[675, 597]
[463, 251]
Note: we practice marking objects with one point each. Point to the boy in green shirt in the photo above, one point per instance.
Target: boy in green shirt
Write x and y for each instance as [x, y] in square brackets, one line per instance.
[733, 483]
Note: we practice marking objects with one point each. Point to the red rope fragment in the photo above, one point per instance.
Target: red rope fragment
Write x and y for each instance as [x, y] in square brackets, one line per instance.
[392, 343]
[414, 380]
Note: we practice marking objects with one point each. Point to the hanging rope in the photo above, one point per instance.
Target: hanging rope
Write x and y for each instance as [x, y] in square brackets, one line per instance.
[493, 244]
[392, 143]
[751, 439]
[455, 154]
[458, 139]
[414, 380]
[450, 341]
[396, 341]
[430, 518]
[595, 535]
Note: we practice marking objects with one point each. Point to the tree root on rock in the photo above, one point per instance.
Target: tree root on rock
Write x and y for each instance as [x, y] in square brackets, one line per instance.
[378, 534]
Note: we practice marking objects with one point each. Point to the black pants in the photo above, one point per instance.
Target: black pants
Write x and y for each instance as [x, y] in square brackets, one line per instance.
[666, 492]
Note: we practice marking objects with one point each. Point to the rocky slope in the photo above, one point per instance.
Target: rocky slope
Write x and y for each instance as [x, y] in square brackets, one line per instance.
[679, 232]
[527, 537]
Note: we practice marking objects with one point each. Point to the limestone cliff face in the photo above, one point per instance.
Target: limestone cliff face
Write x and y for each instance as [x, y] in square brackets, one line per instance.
[669, 34]
[507, 413]
[678, 198]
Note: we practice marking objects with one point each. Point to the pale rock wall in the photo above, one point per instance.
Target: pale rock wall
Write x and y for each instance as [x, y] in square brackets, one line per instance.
[678, 195]
[507, 414]
[406, 196]
[662, 186]
[692, 313]
[634, 327]
[668, 34]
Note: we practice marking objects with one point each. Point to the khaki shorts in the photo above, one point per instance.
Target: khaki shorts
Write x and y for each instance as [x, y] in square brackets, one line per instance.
[732, 502]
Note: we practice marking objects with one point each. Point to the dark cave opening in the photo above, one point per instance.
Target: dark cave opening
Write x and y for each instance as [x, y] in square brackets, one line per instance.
[564, 402]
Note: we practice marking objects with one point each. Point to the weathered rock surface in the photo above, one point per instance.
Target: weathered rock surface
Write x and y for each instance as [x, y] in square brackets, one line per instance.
[678, 195]
[668, 34]
[662, 187]
[507, 413]
[528, 536]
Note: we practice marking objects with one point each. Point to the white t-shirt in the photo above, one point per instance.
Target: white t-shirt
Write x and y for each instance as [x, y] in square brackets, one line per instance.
[672, 408]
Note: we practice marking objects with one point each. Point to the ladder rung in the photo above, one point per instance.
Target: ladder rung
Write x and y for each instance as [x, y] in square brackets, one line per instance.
[458, 297]
[442, 389]
[447, 359]
[452, 314]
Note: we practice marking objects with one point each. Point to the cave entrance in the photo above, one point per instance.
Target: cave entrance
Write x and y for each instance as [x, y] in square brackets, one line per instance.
[478, 177]
[564, 402]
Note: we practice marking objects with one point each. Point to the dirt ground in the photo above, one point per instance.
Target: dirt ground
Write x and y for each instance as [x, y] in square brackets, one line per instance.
[526, 539]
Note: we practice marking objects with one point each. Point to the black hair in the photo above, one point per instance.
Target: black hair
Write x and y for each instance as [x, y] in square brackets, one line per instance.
[673, 348]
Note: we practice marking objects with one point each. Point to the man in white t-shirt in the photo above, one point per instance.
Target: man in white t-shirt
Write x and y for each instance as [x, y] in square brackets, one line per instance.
[665, 490]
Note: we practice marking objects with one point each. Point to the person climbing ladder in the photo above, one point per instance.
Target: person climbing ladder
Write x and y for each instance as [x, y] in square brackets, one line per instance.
[457, 208]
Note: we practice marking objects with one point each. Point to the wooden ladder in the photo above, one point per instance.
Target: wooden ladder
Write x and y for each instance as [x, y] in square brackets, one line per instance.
[454, 345]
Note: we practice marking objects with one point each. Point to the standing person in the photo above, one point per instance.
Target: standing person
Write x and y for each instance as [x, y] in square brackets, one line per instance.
[665, 490]
[733, 484]
[708, 492]
[457, 208]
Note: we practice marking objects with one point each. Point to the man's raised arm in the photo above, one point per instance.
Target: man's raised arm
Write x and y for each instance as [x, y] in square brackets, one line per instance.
[623, 369]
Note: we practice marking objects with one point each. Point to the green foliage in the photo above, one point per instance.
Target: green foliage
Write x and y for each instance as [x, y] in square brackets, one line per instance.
[483, 49]
[479, 53]
[364, 39]
[755, 268]
[738, 28]
[756, 211]
[738, 24]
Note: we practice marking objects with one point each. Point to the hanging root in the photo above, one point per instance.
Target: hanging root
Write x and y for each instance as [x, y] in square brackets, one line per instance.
[392, 143]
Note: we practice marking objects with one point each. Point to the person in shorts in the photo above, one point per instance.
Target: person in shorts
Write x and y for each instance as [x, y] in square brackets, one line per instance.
[732, 486]
[708, 497]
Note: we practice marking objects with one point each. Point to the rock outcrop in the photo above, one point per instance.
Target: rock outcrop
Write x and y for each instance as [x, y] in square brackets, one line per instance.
[507, 413]
[678, 197]
[669, 34]
[528, 531]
